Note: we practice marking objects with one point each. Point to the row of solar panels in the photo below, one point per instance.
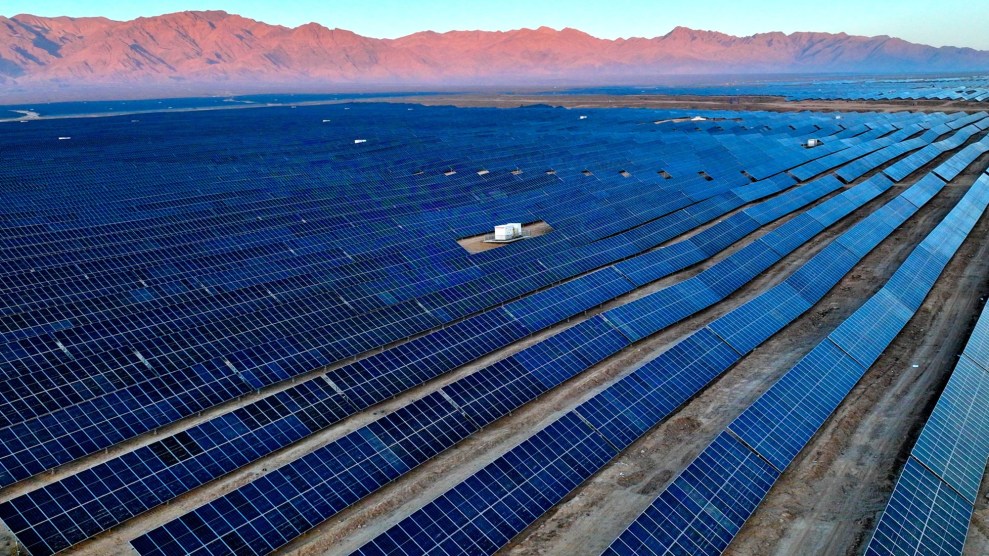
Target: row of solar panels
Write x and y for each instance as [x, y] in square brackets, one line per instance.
[465, 178]
[78, 268]
[906, 166]
[840, 158]
[703, 509]
[964, 89]
[579, 152]
[979, 94]
[971, 88]
[143, 239]
[934, 499]
[505, 391]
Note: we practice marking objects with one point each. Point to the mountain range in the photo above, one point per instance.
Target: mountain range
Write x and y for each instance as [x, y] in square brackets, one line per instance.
[216, 47]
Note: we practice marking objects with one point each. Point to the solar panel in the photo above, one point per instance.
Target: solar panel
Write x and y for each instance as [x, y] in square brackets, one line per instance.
[867, 332]
[753, 323]
[955, 441]
[977, 348]
[783, 420]
[265, 513]
[924, 516]
[704, 507]
[564, 453]
[263, 247]
[832, 263]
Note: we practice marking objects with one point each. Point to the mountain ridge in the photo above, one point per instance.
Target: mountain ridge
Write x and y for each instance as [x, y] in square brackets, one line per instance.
[216, 47]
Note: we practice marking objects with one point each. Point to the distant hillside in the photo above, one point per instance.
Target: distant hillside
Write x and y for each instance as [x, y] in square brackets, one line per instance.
[216, 47]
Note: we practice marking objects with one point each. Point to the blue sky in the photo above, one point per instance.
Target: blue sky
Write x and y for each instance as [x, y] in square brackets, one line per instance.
[935, 22]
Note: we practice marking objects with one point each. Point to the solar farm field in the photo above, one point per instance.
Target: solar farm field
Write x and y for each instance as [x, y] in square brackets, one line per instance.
[257, 331]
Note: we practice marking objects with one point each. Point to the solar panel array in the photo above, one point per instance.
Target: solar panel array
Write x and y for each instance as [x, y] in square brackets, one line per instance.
[691, 517]
[314, 405]
[398, 304]
[500, 388]
[934, 499]
[629, 408]
[960, 89]
[268, 246]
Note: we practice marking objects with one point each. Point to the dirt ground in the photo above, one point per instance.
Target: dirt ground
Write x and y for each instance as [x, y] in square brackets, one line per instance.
[826, 503]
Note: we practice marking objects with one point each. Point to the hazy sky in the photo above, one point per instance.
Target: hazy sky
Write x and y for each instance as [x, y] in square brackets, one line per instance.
[935, 22]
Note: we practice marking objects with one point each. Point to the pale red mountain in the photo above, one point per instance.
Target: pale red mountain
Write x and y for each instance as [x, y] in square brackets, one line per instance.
[214, 46]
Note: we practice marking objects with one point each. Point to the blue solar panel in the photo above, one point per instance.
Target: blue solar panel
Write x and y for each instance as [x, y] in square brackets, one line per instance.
[494, 505]
[550, 306]
[724, 233]
[909, 284]
[955, 441]
[625, 411]
[704, 507]
[924, 190]
[753, 323]
[951, 168]
[265, 514]
[924, 516]
[783, 420]
[977, 348]
[869, 331]
[793, 233]
[646, 316]
[800, 197]
[831, 263]
[873, 230]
